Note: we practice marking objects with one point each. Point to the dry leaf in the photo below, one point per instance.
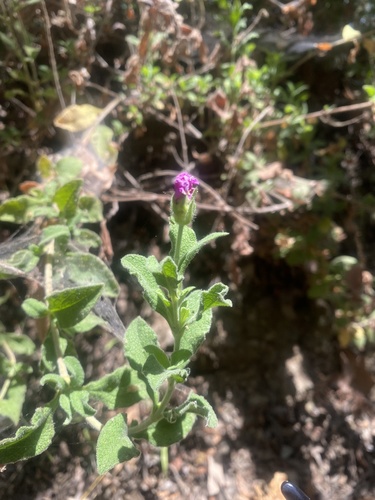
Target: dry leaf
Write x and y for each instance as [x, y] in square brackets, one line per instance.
[77, 117]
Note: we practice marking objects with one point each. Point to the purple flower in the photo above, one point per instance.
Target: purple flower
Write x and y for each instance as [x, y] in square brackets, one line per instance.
[184, 185]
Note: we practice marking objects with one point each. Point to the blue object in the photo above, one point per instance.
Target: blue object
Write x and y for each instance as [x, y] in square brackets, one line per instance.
[292, 492]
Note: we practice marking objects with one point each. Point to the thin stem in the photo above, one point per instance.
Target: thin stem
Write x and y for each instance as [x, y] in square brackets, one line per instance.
[48, 273]
[158, 414]
[178, 244]
[10, 355]
[164, 460]
[52, 57]
[175, 325]
[91, 488]
[94, 423]
[59, 357]
[181, 130]
[5, 388]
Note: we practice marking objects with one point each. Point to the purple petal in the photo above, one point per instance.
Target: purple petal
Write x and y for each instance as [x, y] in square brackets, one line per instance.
[184, 185]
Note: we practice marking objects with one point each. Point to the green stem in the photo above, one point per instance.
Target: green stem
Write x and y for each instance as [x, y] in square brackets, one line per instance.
[48, 270]
[178, 244]
[176, 293]
[158, 414]
[94, 423]
[164, 460]
[10, 355]
[175, 324]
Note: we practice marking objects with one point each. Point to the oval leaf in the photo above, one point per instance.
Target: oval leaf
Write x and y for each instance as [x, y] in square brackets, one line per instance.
[164, 433]
[114, 446]
[77, 117]
[72, 305]
[30, 440]
[66, 198]
[85, 268]
[35, 308]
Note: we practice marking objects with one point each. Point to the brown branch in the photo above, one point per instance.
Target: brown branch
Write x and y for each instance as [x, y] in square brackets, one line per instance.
[52, 57]
[146, 196]
[318, 114]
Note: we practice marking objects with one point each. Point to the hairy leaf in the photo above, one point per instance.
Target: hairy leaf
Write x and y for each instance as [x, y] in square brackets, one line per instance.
[114, 446]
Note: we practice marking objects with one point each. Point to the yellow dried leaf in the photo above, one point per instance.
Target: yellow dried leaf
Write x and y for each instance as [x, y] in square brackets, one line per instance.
[44, 166]
[77, 117]
[349, 33]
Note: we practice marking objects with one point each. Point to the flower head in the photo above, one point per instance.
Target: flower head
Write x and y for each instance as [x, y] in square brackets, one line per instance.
[184, 185]
[183, 204]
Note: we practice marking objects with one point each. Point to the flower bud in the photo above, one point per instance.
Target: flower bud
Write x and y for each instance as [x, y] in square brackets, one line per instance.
[183, 203]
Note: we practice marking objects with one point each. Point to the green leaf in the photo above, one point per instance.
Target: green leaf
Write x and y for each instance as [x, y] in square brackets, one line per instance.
[139, 335]
[30, 440]
[24, 260]
[119, 389]
[114, 446]
[86, 238]
[90, 209]
[87, 269]
[159, 354]
[16, 210]
[79, 402]
[156, 374]
[54, 380]
[195, 333]
[180, 358]
[215, 297]
[68, 168]
[199, 405]
[35, 308]
[370, 91]
[193, 250]
[44, 167]
[65, 405]
[144, 269]
[188, 241]
[75, 370]
[192, 307]
[169, 268]
[7, 271]
[55, 232]
[49, 353]
[90, 322]
[168, 278]
[101, 141]
[31, 51]
[66, 198]
[70, 306]
[139, 266]
[18, 343]
[11, 405]
[9, 43]
[164, 433]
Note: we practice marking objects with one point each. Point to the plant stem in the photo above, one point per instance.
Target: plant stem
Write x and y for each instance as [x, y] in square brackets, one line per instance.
[52, 57]
[59, 357]
[178, 244]
[94, 423]
[10, 355]
[48, 270]
[158, 414]
[164, 460]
